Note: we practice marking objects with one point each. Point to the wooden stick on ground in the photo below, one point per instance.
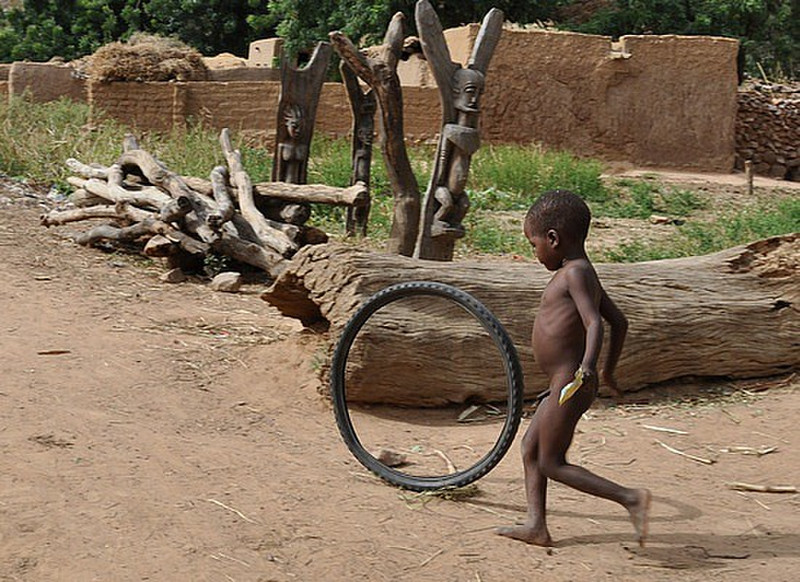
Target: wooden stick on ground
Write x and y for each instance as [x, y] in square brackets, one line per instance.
[687, 455]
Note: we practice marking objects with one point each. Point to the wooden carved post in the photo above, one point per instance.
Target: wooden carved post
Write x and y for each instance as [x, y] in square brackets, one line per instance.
[297, 110]
[363, 105]
[446, 202]
[379, 71]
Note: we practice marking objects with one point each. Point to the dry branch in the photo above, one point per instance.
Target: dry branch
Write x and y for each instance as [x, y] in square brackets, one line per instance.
[148, 201]
[176, 209]
[86, 171]
[273, 234]
[147, 196]
[219, 186]
[356, 195]
[140, 161]
[120, 211]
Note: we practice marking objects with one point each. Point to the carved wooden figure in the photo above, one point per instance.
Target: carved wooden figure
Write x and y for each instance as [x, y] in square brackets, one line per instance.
[446, 202]
[363, 104]
[379, 71]
[297, 110]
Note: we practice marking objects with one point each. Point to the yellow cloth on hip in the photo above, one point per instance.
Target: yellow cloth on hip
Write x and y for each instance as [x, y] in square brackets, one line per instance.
[571, 388]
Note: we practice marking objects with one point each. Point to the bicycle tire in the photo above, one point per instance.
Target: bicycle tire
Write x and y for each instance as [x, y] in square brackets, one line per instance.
[511, 365]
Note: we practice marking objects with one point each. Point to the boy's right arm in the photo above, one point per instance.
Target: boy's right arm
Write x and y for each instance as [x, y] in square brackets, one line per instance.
[619, 329]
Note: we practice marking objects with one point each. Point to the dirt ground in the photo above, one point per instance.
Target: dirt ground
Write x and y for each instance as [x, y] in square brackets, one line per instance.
[167, 432]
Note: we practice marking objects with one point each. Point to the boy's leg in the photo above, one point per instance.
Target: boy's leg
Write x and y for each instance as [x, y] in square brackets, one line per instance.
[534, 531]
[560, 422]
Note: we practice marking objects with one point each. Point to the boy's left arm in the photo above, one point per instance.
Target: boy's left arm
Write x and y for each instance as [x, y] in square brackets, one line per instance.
[584, 288]
[619, 329]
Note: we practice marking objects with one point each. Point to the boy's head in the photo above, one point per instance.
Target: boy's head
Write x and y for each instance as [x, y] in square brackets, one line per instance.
[559, 210]
[556, 225]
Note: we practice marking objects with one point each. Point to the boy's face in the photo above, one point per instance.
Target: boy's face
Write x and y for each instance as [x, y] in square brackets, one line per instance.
[545, 245]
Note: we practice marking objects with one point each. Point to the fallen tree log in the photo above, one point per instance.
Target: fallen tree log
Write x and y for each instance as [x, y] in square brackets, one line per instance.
[730, 314]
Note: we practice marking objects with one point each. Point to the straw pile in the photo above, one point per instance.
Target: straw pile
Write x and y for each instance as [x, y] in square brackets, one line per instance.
[145, 57]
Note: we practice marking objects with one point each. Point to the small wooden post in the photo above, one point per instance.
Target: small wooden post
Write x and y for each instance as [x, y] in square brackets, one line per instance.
[363, 105]
[748, 174]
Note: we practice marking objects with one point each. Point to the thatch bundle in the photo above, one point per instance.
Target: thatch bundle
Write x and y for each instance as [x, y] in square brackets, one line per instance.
[145, 57]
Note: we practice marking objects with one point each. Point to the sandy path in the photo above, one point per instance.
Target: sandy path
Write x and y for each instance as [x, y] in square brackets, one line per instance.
[182, 437]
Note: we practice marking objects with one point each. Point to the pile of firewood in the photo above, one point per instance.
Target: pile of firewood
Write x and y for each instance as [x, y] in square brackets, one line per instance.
[188, 218]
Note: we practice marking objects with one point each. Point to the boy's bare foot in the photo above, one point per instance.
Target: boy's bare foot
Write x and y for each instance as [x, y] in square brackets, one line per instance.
[640, 514]
[527, 534]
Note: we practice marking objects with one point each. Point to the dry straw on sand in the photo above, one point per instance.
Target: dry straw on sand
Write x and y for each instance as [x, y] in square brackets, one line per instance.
[144, 57]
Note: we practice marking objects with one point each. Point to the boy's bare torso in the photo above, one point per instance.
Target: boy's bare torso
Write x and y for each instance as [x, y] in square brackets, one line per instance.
[559, 336]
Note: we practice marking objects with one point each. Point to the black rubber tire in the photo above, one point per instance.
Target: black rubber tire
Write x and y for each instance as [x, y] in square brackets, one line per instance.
[511, 364]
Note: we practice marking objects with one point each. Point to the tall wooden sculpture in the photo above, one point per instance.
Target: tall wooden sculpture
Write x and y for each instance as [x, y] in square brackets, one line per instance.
[297, 110]
[379, 71]
[446, 202]
[363, 104]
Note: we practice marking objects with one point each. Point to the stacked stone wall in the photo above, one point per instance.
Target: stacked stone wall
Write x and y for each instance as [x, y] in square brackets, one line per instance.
[768, 130]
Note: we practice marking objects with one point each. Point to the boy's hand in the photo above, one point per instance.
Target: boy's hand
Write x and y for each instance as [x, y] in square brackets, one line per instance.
[590, 376]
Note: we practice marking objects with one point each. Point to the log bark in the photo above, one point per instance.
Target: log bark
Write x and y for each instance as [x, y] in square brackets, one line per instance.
[730, 314]
[356, 195]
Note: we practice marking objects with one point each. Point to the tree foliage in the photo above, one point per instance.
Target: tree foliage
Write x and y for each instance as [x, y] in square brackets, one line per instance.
[42, 29]
[769, 30]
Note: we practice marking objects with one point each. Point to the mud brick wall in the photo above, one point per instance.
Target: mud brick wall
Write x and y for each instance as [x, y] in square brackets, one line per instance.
[768, 130]
[45, 82]
[649, 100]
[240, 106]
[143, 106]
[665, 101]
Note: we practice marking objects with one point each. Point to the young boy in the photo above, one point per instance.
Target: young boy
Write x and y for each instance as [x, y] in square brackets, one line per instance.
[567, 336]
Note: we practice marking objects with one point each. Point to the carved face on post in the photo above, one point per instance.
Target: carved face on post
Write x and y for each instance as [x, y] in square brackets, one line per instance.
[294, 121]
[365, 136]
[467, 88]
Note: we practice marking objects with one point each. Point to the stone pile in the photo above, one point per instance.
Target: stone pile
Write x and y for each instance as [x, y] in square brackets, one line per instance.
[768, 130]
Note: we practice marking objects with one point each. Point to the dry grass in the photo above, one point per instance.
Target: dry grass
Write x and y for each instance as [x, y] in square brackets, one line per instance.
[145, 57]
